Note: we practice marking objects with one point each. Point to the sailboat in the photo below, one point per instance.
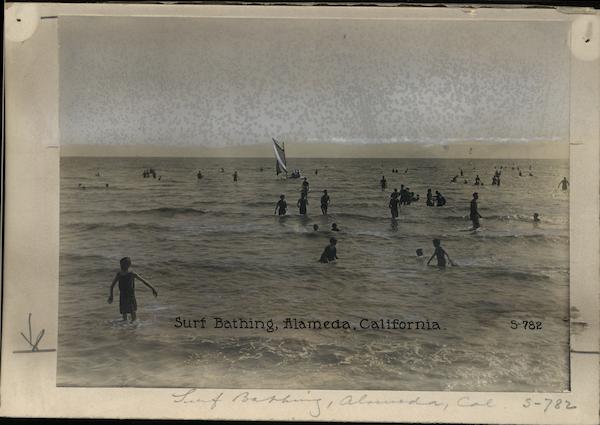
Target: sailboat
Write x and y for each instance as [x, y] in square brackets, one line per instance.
[281, 164]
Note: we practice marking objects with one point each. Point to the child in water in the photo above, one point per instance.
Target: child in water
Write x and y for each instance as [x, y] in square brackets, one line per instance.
[420, 257]
[126, 279]
[330, 252]
[440, 254]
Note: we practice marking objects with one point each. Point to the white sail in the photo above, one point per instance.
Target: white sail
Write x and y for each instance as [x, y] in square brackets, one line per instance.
[280, 156]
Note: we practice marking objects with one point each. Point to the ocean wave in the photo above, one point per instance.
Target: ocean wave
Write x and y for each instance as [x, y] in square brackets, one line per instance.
[88, 227]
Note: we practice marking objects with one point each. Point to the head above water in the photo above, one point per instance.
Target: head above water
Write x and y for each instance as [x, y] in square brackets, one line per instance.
[125, 263]
[334, 225]
[315, 227]
[419, 252]
[436, 242]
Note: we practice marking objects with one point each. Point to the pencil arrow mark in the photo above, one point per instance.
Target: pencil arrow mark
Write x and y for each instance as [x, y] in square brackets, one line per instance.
[34, 344]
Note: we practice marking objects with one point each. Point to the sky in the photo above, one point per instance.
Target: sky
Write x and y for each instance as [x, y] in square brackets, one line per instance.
[226, 83]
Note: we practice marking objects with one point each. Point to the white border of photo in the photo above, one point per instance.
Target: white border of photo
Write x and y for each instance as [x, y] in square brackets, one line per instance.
[28, 382]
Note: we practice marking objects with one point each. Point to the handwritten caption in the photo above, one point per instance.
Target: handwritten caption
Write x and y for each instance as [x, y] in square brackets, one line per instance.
[317, 405]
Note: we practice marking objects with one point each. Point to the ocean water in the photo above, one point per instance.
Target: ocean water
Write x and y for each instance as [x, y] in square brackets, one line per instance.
[214, 248]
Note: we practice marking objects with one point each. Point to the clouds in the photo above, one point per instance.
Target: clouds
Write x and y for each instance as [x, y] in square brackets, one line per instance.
[222, 82]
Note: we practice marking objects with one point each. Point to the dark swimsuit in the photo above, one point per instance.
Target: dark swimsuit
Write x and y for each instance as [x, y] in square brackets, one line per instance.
[127, 302]
[282, 206]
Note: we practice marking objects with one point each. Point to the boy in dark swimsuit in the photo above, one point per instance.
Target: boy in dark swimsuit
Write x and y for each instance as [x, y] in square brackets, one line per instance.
[440, 254]
[330, 252]
[324, 202]
[281, 206]
[302, 203]
[126, 279]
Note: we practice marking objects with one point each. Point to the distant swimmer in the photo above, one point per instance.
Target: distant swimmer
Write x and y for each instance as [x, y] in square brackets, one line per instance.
[530, 174]
[316, 227]
[520, 173]
[235, 176]
[106, 185]
[536, 218]
[199, 175]
[316, 171]
[461, 172]
[383, 182]
[222, 170]
[126, 279]
[159, 177]
[261, 169]
[420, 257]
[330, 252]
[98, 174]
[324, 202]
[406, 171]
[564, 183]
[477, 180]
[474, 215]
[454, 179]
[281, 207]
[439, 199]
[429, 200]
[466, 181]
[302, 203]
[334, 227]
[440, 254]
[393, 204]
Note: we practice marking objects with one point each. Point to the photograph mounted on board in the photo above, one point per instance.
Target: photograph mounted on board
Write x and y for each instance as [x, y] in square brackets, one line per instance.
[314, 203]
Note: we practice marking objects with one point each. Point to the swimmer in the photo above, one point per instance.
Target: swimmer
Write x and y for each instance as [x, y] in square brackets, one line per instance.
[126, 279]
[564, 183]
[235, 176]
[324, 202]
[536, 218]
[439, 198]
[334, 227]
[330, 252]
[302, 203]
[393, 204]
[281, 206]
[474, 214]
[429, 201]
[440, 254]
[316, 227]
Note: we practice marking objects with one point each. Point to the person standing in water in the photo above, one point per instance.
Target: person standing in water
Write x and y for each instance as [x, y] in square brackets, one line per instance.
[394, 203]
[324, 202]
[281, 206]
[235, 176]
[439, 199]
[383, 183]
[440, 254]
[126, 279]
[305, 186]
[330, 252]
[536, 218]
[564, 183]
[302, 203]
[429, 200]
[477, 180]
[199, 175]
[474, 215]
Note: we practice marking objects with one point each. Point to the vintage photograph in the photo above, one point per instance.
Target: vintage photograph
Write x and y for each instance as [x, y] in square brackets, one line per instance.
[327, 204]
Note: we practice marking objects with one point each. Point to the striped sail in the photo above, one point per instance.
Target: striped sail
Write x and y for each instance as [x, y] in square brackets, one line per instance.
[280, 156]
